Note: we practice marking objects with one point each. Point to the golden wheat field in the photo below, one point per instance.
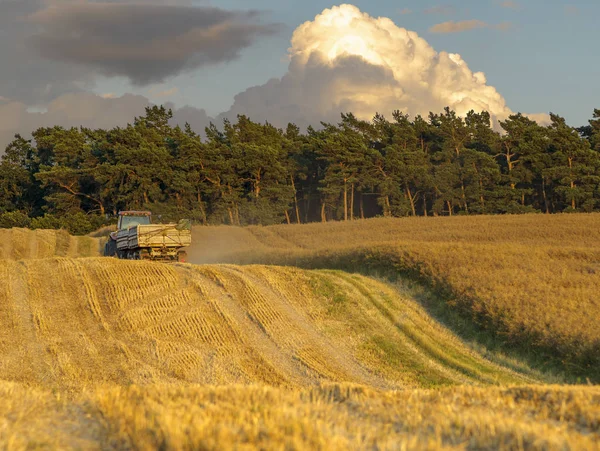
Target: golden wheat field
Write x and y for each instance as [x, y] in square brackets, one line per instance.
[98, 353]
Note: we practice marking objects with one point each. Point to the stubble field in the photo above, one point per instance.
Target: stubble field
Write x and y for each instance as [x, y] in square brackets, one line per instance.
[444, 349]
[527, 283]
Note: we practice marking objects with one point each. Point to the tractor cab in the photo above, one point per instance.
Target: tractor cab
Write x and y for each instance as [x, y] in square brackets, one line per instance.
[129, 219]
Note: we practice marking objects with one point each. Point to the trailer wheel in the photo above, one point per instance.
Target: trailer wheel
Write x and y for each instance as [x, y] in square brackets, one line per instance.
[182, 256]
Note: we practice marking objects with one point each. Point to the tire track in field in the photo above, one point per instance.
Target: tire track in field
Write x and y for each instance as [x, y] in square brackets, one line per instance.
[294, 330]
[252, 336]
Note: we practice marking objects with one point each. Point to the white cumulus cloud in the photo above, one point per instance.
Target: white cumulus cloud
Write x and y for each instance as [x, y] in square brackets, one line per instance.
[347, 61]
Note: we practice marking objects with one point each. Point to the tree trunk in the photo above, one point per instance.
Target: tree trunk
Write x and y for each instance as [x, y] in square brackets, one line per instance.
[323, 215]
[307, 203]
[297, 209]
[510, 164]
[545, 196]
[449, 208]
[481, 198]
[388, 209]
[464, 196]
[230, 216]
[352, 203]
[287, 217]
[201, 207]
[425, 205]
[573, 206]
[411, 200]
[345, 200]
[257, 184]
[236, 212]
[362, 208]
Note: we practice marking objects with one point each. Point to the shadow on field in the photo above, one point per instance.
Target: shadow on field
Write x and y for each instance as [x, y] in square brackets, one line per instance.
[451, 309]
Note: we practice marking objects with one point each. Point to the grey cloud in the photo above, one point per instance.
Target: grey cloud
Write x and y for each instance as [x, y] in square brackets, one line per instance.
[445, 10]
[197, 118]
[511, 5]
[145, 42]
[25, 77]
[143, 2]
[69, 110]
[467, 25]
[571, 9]
[87, 110]
[29, 79]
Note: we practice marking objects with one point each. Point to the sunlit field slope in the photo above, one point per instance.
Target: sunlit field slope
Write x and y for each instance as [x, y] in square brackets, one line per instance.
[18, 244]
[532, 281]
[72, 323]
[97, 353]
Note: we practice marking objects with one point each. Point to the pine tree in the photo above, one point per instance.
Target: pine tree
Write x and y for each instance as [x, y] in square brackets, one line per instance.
[575, 167]
[18, 188]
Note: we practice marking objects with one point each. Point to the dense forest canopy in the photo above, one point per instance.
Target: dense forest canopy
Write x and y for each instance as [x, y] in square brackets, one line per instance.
[251, 173]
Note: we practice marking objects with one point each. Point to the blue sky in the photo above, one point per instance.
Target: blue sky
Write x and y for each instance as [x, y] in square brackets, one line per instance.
[545, 62]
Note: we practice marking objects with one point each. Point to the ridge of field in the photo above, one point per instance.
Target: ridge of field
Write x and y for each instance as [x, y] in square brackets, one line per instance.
[530, 281]
[331, 417]
[19, 244]
[72, 323]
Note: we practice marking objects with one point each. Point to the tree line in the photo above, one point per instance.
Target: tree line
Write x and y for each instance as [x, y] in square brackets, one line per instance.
[252, 173]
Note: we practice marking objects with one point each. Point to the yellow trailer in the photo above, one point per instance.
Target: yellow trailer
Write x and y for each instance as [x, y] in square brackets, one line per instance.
[138, 239]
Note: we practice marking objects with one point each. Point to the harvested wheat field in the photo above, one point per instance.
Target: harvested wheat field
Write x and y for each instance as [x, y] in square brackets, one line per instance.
[143, 323]
[18, 244]
[531, 283]
[99, 353]
[336, 417]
